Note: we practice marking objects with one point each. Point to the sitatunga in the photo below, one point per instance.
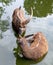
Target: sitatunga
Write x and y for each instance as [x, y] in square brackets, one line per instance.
[34, 48]
[19, 22]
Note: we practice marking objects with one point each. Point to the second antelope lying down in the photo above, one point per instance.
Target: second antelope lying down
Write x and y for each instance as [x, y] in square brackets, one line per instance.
[35, 47]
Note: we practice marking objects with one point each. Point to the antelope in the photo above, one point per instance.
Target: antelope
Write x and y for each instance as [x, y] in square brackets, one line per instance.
[19, 22]
[33, 48]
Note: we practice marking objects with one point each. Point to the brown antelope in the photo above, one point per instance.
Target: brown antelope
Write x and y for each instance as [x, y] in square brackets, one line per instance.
[19, 21]
[34, 48]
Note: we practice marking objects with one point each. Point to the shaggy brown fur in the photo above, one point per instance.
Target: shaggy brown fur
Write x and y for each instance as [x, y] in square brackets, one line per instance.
[37, 49]
[19, 21]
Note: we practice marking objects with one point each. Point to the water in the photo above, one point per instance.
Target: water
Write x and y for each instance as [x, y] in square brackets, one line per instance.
[42, 23]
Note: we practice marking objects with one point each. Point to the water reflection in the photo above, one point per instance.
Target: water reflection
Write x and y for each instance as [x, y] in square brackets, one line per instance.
[6, 1]
[41, 8]
[1, 11]
[4, 24]
[6, 57]
[6, 54]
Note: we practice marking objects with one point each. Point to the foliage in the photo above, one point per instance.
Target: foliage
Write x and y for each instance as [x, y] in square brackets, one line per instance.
[41, 8]
[4, 25]
[1, 11]
[17, 50]
[6, 1]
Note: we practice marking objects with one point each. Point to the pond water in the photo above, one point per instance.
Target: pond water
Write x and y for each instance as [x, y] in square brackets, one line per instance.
[41, 22]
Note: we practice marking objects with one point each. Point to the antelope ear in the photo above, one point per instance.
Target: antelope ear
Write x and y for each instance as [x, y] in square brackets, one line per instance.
[19, 7]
